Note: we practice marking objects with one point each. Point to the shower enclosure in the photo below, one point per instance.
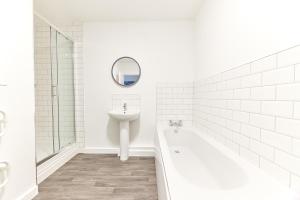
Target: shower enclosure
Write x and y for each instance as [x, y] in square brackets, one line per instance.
[54, 91]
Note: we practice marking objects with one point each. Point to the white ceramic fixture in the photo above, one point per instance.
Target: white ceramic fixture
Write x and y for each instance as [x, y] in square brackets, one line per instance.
[196, 166]
[124, 117]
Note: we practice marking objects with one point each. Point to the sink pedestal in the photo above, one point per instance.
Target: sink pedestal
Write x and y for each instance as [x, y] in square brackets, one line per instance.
[124, 140]
[124, 118]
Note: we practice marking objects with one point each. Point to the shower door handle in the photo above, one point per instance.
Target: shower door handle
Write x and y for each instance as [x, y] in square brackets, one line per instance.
[2, 123]
[54, 91]
[4, 167]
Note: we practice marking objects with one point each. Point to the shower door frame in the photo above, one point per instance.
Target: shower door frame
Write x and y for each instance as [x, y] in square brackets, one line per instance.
[57, 31]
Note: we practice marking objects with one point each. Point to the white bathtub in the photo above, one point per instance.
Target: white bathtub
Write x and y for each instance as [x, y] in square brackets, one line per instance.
[193, 166]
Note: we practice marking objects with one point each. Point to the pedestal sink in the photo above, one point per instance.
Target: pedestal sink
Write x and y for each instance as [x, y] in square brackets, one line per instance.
[124, 118]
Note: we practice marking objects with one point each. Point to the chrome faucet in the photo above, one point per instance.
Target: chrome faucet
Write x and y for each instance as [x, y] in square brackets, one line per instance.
[124, 107]
[176, 124]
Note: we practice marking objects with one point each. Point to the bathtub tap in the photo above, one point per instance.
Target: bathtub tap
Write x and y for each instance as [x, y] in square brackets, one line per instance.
[176, 124]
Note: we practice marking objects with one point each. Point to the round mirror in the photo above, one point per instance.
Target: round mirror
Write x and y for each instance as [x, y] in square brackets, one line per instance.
[126, 71]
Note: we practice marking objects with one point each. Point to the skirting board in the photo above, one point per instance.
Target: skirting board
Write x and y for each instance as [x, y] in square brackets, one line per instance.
[133, 151]
[50, 166]
[30, 194]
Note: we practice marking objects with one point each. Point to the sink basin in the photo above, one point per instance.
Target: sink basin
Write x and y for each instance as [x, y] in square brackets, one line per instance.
[124, 118]
[127, 116]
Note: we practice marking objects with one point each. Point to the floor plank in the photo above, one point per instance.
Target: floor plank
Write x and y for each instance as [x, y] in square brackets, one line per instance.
[101, 177]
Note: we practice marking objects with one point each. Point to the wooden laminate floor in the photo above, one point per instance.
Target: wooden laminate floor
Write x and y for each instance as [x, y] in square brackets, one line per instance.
[101, 177]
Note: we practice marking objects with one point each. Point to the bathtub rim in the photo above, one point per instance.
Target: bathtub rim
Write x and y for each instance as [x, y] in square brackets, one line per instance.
[163, 150]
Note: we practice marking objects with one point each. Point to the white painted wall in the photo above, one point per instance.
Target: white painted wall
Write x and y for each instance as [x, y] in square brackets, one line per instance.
[17, 98]
[232, 32]
[165, 52]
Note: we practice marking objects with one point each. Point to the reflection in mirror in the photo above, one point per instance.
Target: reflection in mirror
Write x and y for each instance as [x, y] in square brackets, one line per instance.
[126, 71]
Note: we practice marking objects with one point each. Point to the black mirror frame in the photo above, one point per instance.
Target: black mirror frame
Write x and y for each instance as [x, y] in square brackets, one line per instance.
[140, 72]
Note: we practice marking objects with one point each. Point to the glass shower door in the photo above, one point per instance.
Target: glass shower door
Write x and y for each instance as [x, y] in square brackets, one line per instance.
[65, 90]
[43, 60]
[54, 91]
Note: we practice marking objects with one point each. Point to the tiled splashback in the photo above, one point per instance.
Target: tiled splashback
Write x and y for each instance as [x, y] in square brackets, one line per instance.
[254, 109]
[133, 101]
[174, 101]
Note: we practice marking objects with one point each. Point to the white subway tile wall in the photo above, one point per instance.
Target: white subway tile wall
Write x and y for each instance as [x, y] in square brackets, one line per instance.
[174, 102]
[133, 101]
[254, 109]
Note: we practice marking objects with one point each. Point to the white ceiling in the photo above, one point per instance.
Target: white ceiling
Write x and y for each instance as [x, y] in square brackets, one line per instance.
[66, 11]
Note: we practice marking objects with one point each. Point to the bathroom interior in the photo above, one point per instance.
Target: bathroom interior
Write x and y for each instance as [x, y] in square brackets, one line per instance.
[150, 100]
